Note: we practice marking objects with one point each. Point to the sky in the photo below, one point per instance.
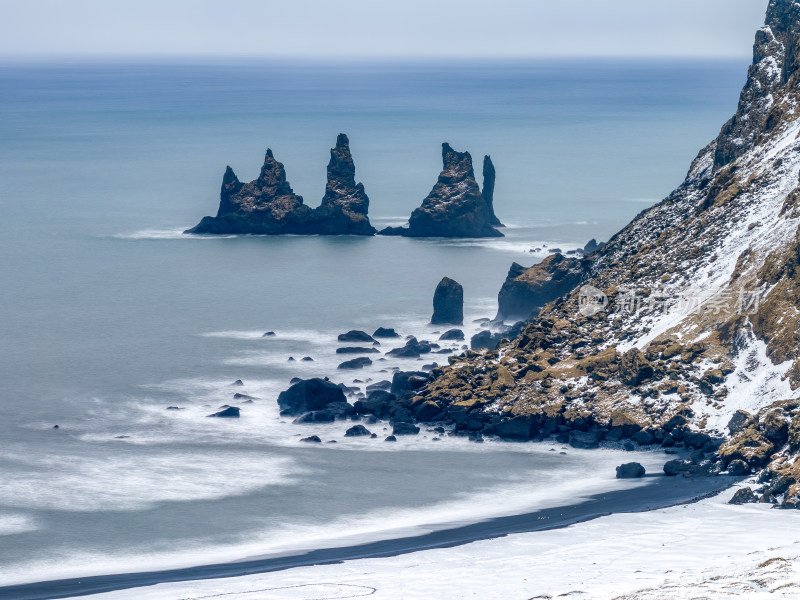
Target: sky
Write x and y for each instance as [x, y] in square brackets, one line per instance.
[370, 29]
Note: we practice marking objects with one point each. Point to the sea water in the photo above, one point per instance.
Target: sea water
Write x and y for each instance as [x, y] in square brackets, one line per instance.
[109, 314]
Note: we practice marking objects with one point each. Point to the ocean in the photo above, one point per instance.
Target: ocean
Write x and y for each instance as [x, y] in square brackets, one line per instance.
[109, 314]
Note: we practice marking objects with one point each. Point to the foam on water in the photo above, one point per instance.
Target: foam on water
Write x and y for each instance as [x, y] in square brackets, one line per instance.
[124, 481]
[11, 524]
[579, 475]
[165, 234]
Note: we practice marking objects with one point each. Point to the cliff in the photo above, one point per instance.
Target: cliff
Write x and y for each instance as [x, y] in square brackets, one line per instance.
[684, 329]
[455, 206]
[269, 206]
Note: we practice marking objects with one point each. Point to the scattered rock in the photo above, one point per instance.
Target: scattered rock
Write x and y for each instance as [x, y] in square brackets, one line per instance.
[390, 438]
[385, 332]
[584, 439]
[452, 334]
[631, 470]
[313, 439]
[229, 412]
[403, 428]
[309, 395]
[357, 350]
[743, 496]
[448, 303]
[357, 431]
[355, 336]
[269, 334]
[356, 363]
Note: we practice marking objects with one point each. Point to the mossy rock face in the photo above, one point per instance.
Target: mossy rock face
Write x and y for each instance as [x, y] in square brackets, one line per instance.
[750, 445]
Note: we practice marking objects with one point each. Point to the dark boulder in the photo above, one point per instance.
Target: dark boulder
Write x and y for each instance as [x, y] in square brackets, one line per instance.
[427, 410]
[643, 437]
[269, 334]
[452, 335]
[406, 382]
[584, 439]
[227, 412]
[385, 332]
[738, 468]
[448, 303]
[355, 336]
[238, 382]
[312, 439]
[516, 428]
[356, 363]
[412, 349]
[743, 496]
[491, 340]
[631, 470]
[390, 438]
[404, 428]
[380, 403]
[315, 416]
[357, 431]
[244, 397]
[379, 385]
[677, 467]
[357, 350]
[309, 395]
[525, 291]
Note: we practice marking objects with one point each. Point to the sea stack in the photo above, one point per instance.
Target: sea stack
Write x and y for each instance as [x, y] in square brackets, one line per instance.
[266, 205]
[455, 207]
[489, 175]
[448, 303]
[269, 206]
[345, 205]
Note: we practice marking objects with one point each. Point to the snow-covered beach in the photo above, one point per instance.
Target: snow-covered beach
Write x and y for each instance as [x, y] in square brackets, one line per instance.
[709, 550]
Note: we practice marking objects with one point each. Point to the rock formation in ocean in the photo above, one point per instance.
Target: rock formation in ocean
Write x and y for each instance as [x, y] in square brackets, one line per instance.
[345, 205]
[526, 291]
[455, 207]
[448, 303]
[269, 206]
[684, 328]
[489, 176]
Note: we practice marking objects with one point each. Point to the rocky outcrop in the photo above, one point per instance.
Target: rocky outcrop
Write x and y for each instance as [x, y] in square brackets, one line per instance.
[448, 303]
[345, 205]
[489, 176]
[772, 82]
[269, 206]
[455, 207]
[526, 291]
[682, 330]
[309, 395]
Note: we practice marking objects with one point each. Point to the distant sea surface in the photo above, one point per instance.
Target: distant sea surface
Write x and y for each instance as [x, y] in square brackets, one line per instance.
[108, 314]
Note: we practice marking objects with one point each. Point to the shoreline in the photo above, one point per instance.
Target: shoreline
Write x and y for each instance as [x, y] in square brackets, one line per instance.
[661, 492]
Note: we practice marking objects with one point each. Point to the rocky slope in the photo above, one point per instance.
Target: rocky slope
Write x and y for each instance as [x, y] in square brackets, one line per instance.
[268, 205]
[455, 207]
[684, 329]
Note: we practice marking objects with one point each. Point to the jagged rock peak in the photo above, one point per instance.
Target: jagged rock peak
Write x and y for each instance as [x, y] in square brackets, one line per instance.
[455, 206]
[489, 175]
[345, 204]
[772, 83]
[268, 205]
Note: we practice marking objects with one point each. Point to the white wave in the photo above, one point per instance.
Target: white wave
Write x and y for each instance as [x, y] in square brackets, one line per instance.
[13, 524]
[164, 234]
[297, 335]
[124, 482]
[582, 474]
